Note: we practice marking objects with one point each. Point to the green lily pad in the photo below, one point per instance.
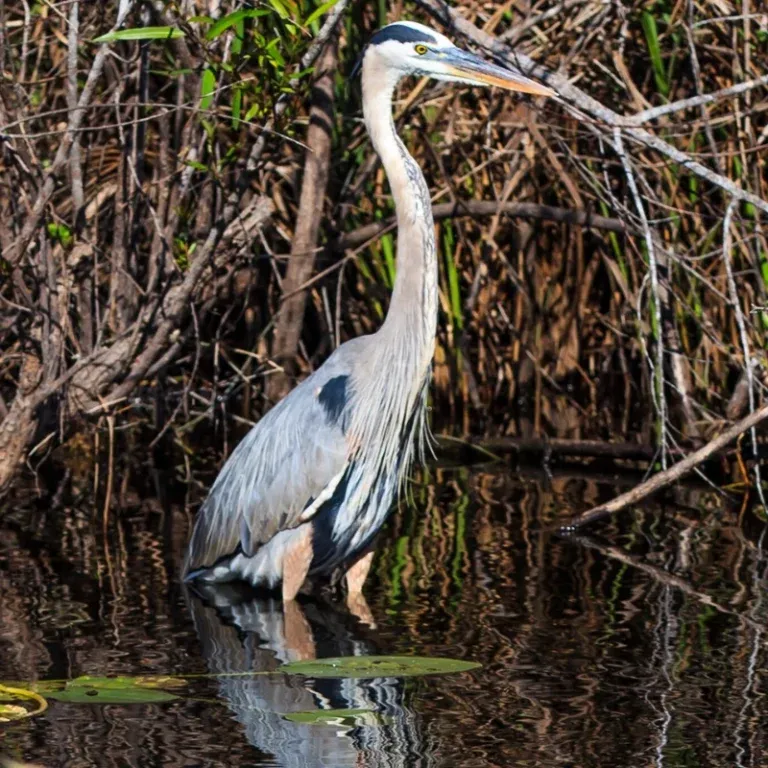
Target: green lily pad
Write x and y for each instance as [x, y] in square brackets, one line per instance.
[339, 718]
[116, 690]
[377, 666]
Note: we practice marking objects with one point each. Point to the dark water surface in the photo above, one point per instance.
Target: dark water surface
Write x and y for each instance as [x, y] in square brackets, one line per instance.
[641, 646]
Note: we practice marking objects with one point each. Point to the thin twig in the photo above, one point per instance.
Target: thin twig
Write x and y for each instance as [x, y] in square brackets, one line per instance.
[582, 105]
[657, 369]
[749, 363]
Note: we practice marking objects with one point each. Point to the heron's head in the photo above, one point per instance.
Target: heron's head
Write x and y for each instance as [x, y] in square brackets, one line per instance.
[407, 48]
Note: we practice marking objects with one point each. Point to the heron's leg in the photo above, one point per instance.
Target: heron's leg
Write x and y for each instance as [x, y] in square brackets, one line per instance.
[298, 634]
[296, 562]
[356, 576]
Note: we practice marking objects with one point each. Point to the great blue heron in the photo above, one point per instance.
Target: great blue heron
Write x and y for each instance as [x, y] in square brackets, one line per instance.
[309, 487]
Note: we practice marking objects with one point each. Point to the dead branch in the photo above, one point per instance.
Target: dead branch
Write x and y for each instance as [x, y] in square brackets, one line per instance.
[676, 471]
[60, 161]
[488, 208]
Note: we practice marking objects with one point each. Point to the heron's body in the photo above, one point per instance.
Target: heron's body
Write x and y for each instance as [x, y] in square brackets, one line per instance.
[309, 487]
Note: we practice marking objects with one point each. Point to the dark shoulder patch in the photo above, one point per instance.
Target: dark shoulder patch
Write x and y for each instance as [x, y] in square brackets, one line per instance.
[333, 397]
[402, 33]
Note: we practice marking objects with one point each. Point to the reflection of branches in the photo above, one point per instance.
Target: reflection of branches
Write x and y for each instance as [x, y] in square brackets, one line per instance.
[660, 575]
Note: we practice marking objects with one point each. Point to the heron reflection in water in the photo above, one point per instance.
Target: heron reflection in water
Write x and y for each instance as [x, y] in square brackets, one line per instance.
[309, 487]
[241, 633]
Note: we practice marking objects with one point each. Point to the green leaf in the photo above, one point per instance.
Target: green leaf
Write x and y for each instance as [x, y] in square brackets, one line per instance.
[207, 87]
[654, 50]
[377, 666]
[282, 11]
[237, 43]
[140, 33]
[273, 51]
[224, 23]
[323, 9]
[339, 718]
[116, 690]
[237, 102]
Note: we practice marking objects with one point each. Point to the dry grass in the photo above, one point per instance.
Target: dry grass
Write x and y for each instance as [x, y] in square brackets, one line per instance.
[142, 277]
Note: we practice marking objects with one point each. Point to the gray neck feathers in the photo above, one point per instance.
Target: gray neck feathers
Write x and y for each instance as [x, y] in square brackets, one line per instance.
[412, 318]
[391, 387]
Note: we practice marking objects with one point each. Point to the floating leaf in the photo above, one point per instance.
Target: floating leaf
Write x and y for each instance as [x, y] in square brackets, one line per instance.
[117, 690]
[140, 33]
[87, 695]
[377, 666]
[340, 718]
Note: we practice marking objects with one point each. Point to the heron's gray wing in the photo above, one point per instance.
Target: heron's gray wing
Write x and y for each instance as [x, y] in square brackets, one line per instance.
[295, 453]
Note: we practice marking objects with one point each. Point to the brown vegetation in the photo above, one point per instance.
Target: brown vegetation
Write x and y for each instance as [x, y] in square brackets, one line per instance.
[607, 277]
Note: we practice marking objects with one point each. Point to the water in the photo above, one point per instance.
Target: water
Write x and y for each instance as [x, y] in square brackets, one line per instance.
[643, 645]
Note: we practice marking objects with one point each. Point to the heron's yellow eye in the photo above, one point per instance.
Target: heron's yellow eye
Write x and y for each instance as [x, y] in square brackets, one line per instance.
[421, 49]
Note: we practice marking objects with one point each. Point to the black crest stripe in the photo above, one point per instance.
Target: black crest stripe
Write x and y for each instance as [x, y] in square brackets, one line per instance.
[402, 33]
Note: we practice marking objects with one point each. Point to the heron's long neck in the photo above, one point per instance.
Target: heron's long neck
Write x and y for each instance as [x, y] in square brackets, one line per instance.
[412, 317]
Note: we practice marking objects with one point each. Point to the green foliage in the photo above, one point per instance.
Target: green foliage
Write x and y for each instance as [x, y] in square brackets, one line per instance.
[651, 32]
[321, 11]
[140, 33]
[265, 40]
[232, 19]
[60, 233]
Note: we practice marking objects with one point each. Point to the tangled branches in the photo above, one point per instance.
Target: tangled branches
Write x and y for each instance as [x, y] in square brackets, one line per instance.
[606, 265]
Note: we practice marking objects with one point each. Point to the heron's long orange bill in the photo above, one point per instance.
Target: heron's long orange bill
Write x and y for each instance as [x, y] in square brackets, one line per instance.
[472, 69]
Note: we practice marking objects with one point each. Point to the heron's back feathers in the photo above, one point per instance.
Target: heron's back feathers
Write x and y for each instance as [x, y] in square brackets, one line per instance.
[333, 452]
[284, 462]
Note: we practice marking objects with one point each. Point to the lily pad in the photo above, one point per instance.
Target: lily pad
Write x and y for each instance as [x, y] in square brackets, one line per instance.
[339, 718]
[377, 666]
[116, 690]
